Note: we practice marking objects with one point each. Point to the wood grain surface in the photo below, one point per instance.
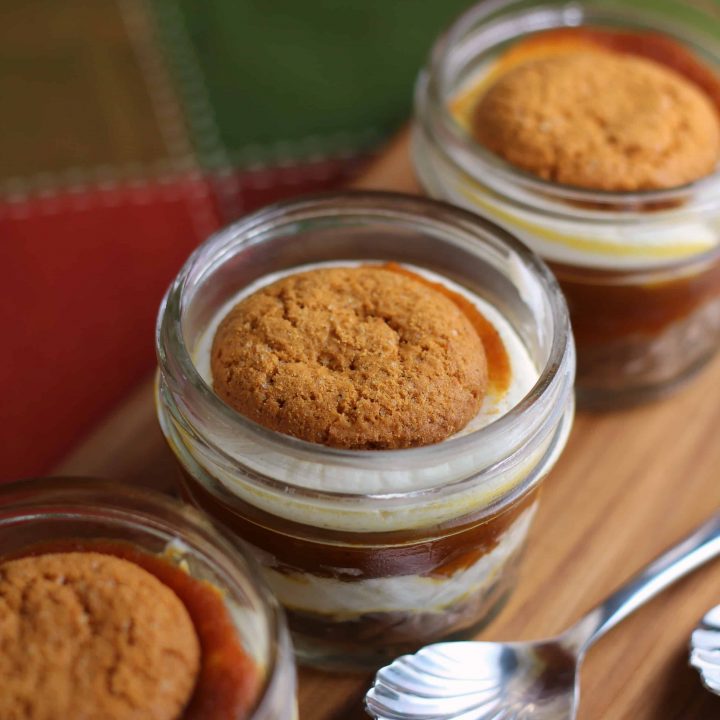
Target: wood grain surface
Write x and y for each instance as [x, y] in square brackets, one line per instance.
[628, 485]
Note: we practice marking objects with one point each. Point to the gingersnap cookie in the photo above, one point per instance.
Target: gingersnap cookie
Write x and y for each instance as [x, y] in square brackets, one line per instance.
[600, 120]
[86, 635]
[361, 357]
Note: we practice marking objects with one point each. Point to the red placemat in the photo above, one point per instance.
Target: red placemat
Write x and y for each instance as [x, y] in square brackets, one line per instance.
[103, 194]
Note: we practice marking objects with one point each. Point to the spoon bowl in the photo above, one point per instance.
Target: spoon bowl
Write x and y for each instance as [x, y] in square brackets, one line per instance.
[478, 681]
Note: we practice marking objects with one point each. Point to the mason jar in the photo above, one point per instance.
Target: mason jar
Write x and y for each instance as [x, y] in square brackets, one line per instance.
[640, 270]
[160, 533]
[372, 552]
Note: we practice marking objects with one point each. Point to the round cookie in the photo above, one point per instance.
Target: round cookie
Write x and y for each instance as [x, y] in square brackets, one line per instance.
[600, 120]
[86, 635]
[363, 358]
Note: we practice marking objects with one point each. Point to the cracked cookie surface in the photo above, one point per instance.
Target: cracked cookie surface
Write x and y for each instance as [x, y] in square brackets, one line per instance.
[361, 358]
[600, 120]
[85, 635]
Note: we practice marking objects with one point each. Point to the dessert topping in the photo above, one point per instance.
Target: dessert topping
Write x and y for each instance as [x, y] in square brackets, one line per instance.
[86, 635]
[359, 357]
[601, 120]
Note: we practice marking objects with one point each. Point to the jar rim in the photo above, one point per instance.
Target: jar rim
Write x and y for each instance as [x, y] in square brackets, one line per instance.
[176, 362]
[68, 496]
[433, 79]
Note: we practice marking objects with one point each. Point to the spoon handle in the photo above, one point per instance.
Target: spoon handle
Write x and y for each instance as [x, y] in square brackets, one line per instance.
[692, 552]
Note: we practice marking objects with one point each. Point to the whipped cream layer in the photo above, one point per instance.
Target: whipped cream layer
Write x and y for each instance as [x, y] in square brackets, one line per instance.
[353, 597]
[566, 233]
[441, 484]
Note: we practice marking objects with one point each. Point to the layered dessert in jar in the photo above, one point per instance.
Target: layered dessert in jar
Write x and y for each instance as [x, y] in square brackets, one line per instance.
[120, 604]
[368, 389]
[593, 133]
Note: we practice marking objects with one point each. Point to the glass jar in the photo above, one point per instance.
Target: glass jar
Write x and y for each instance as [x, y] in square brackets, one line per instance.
[62, 514]
[640, 270]
[372, 553]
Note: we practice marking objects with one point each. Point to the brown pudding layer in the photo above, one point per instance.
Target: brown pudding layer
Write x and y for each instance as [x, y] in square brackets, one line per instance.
[577, 111]
[118, 633]
[90, 635]
[362, 358]
[438, 551]
[386, 635]
[640, 334]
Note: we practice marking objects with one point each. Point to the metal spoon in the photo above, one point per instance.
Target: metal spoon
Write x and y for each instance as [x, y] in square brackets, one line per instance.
[523, 681]
[705, 646]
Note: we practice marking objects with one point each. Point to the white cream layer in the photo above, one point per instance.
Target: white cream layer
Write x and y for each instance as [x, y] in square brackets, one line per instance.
[344, 600]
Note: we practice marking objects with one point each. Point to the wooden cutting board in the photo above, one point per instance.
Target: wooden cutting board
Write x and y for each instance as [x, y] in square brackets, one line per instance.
[629, 484]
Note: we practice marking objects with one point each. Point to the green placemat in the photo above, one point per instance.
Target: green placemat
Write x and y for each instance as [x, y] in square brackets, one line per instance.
[268, 81]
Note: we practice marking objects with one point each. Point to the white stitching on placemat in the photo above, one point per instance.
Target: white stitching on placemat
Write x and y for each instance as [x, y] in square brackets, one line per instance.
[142, 33]
[108, 186]
[293, 160]
[170, 119]
[173, 31]
[194, 192]
[306, 150]
[81, 189]
[104, 177]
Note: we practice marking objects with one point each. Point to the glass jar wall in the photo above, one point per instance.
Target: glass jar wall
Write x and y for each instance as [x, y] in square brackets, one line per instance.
[372, 553]
[640, 270]
[177, 545]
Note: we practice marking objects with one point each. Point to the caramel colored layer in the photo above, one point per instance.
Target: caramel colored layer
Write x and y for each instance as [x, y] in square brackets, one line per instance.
[604, 308]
